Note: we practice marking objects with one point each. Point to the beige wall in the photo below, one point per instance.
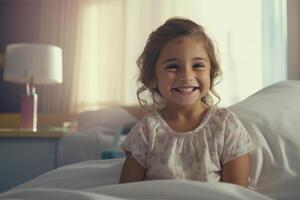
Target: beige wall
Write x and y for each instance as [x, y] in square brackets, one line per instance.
[19, 21]
[293, 34]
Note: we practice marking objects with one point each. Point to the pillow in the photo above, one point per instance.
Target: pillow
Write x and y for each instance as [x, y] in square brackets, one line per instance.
[272, 118]
[109, 120]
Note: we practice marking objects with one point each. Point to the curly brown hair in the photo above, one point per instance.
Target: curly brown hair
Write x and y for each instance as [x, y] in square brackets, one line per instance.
[173, 28]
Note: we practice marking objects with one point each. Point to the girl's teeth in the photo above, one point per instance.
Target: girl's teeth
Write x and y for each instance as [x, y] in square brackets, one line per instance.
[185, 89]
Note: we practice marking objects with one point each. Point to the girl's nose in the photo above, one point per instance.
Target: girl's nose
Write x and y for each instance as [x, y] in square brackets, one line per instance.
[187, 74]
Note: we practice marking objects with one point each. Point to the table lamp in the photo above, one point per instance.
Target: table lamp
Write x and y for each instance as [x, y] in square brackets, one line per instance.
[32, 64]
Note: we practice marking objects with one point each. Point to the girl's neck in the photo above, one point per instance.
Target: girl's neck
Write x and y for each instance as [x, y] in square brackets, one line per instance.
[183, 113]
[184, 119]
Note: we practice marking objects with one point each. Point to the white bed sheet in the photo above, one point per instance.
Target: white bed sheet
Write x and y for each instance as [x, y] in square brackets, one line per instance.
[99, 180]
[272, 118]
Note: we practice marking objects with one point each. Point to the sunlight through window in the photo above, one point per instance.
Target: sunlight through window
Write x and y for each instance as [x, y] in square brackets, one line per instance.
[114, 33]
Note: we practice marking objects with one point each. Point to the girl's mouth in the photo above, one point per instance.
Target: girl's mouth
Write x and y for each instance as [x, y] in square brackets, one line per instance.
[185, 89]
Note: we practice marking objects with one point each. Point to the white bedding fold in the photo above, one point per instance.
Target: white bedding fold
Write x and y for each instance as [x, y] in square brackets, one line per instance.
[176, 189]
[98, 180]
[164, 189]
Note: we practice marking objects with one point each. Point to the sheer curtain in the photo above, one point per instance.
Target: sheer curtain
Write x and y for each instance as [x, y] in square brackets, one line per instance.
[59, 26]
[274, 43]
[106, 37]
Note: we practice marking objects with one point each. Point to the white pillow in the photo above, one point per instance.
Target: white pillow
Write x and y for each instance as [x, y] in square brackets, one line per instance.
[109, 120]
[272, 118]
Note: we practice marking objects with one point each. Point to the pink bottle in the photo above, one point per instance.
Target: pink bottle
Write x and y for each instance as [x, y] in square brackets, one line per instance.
[29, 109]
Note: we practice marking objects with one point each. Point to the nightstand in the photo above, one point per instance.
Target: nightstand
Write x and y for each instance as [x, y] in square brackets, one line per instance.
[26, 154]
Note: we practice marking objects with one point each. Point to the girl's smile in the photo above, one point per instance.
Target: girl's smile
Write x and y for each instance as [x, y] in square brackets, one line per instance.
[185, 89]
[186, 92]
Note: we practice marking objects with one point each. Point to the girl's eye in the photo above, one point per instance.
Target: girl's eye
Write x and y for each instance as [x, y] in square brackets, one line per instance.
[198, 65]
[171, 67]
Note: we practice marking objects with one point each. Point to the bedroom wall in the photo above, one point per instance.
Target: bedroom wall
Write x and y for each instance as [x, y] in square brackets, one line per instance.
[293, 34]
[19, 22]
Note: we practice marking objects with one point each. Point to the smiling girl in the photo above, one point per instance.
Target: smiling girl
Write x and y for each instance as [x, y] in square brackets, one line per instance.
[187, 137]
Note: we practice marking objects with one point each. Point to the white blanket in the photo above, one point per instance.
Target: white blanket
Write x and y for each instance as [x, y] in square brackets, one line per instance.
[99, 180]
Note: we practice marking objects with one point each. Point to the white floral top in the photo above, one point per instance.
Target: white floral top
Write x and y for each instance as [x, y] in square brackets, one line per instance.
[195, 155]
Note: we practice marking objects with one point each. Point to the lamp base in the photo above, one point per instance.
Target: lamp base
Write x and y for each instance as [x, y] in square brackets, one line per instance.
[29, 112]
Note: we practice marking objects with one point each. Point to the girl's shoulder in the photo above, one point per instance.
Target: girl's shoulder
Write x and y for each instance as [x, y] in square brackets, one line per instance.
[223, 115]
[149, 120]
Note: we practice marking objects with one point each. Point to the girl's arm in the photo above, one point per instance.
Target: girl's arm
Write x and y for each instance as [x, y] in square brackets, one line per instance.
[237, 171]
[132, 171]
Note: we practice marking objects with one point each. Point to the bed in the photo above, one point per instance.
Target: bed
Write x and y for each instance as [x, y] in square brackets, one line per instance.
[272, 118]
[26, 155]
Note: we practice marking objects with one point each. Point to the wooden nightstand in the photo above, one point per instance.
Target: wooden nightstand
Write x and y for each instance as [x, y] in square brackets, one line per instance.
[26, 154]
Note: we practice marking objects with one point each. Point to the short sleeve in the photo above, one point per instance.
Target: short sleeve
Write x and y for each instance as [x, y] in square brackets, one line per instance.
[237, 141]
[136, 143]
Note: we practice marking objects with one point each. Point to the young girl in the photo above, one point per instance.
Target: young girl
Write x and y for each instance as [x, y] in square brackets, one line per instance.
[187, 138]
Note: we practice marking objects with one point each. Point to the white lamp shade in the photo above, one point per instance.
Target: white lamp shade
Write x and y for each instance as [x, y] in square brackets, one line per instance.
[40, 63]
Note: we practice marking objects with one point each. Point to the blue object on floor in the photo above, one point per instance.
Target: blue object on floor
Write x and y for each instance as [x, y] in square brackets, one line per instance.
[113, 152]
[110, 154]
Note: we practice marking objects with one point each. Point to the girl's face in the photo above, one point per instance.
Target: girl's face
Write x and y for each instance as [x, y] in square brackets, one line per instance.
[182, 71]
